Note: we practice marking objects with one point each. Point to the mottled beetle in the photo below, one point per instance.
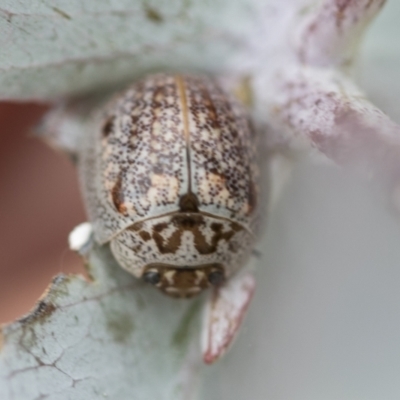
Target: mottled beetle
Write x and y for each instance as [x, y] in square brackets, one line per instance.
[170, 177]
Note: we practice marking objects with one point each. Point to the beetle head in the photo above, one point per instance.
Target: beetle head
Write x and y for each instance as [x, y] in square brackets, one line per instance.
[183, 281]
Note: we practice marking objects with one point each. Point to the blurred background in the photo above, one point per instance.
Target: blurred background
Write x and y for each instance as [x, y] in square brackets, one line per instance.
[39, 205]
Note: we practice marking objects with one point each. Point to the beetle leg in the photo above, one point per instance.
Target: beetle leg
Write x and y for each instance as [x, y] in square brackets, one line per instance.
[81, 238]
[224, 313]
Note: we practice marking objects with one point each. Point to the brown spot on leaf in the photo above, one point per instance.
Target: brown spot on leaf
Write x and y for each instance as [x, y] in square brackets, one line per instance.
[120, 325]
[61, 13]
[42, 311]
[153, 15]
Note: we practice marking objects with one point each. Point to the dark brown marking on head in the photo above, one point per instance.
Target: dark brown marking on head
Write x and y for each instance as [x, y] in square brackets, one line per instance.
[108, 126]
[172, 244]
[168, 246]
[187, 221]
[191, 222]
[184, 282]
[160, 227]
[118, 196]
[189, 203]
[205, 248]
[216, 227]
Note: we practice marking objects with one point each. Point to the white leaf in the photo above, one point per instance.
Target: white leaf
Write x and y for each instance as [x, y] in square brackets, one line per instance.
[54, 48]
[110, 338]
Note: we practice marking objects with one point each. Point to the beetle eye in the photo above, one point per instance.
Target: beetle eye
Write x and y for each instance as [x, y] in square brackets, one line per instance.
[216, 277]
[152, 277]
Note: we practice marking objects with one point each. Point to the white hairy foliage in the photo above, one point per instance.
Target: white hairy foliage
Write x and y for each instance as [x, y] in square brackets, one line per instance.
[324, 323]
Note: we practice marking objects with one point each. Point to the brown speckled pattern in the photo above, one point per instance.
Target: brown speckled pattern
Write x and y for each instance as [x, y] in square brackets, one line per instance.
[140, 166]
[223, 157]
[170, 175]
[146, 150]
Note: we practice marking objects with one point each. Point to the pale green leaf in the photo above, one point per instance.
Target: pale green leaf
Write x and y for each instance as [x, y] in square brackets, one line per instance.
[113, 338]
[54, 48]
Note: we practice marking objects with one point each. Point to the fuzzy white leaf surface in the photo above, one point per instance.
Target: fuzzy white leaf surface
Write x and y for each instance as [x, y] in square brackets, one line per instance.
[112, 338]
[54, 48]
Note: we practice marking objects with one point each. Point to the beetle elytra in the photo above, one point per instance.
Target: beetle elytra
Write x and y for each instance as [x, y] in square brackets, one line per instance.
[170, 176]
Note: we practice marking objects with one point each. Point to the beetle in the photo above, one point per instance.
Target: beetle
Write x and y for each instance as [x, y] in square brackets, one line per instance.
[171, 179]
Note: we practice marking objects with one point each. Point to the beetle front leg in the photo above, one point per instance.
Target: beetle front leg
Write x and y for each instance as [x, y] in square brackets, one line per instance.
[224, 313]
